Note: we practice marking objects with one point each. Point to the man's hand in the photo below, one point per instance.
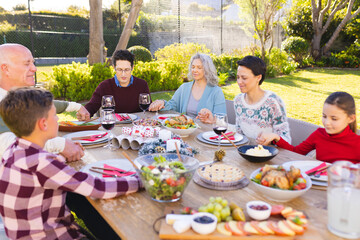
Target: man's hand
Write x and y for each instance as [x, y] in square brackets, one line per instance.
[157, 105]
[83, 114]
[73, 151]
[205, 116]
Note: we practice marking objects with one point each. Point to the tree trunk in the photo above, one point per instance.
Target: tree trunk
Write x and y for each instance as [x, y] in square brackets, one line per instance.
[96, 41]
[315, 46]
[338, 29]
[129, 25]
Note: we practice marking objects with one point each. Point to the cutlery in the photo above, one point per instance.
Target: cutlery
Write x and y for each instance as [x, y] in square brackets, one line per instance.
[230, 141]
[177, 152]
[319, 172]
[313, 171]
[129, 117]
[111, 169]
[90, 120]
[109, 174]
[90, 137]
[131, 161]
[230, 134]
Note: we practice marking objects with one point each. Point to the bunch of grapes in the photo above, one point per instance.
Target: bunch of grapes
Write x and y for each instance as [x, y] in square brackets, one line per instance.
[219, 207]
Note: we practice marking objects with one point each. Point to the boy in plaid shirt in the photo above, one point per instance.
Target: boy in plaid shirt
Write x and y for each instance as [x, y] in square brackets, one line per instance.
[33, 182]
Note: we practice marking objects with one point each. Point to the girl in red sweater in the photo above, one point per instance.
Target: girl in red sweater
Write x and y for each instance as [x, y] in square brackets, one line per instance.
[336, 141]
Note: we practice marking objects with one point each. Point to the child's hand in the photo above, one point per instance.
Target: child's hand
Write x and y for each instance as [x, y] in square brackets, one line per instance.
[266, 138]
[205, 116]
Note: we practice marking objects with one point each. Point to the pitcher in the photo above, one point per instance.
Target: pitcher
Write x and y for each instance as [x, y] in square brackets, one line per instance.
[343, 197]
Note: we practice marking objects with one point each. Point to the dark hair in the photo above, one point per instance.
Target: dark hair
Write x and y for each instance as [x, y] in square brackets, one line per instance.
[123, 55]
[345, 102]
[255, 64]
[22, 107]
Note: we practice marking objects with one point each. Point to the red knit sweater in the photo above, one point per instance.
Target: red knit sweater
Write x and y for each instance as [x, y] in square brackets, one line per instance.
[126, 98]
[329, 148]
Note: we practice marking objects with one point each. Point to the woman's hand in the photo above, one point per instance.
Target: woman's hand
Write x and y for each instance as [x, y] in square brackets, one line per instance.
[157, 105]
[205, 116]
[267, 138]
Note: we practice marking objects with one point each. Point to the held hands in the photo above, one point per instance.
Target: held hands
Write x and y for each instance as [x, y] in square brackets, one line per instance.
[205, 116]
[73, 151]
[157, 105]
[83, 114]
[267, 138]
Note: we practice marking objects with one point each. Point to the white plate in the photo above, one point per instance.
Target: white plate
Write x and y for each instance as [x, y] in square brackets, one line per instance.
[132, 116]
[87, 133]
[123, 164]
[307, 165]
[207, 135]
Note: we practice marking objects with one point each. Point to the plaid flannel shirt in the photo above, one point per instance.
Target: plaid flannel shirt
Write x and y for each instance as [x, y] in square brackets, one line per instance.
[33, 185]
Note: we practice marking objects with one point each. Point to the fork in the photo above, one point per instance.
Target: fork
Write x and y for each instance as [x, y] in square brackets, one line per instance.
[89, 137]
[110, 169]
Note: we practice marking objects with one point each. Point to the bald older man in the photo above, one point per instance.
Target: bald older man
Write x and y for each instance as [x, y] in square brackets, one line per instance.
[17, 69]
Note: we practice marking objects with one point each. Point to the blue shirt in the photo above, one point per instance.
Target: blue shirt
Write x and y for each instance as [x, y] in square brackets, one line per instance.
[118, 84]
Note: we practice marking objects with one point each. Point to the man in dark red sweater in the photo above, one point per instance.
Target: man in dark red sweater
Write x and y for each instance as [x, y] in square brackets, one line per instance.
[123, 86]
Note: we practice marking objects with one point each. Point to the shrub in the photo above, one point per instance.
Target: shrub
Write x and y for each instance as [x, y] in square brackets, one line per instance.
[141, 53]
[160, 75]
[296, 47]
[78, 81]
[226, 63]
[279, 63]
[222, 78]
[180, 53]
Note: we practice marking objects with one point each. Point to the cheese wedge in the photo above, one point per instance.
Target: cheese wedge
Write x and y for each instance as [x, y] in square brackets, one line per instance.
[181, 226]
[171, 218]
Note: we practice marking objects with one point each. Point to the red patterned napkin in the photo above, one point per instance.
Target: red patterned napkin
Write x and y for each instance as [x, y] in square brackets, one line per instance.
[229, 133]
[120, 117]
[94, 137]
[115, 172]
[316, 168]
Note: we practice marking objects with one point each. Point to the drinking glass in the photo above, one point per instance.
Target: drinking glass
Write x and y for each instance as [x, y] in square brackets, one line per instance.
[108, 102]
[343, 197]
[220, 125]
[107, 118]
[144, 101]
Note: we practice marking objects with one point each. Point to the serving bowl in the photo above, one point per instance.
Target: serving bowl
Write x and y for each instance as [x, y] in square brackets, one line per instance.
[165, 186]
[182, 132]
[280, 195]
[257, 159]
[204, 227]
[256, 213]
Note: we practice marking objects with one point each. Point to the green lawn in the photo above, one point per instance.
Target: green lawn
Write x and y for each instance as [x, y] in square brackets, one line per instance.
[303, 92]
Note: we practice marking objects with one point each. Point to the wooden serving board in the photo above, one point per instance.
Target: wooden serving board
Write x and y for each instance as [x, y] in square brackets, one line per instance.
[167, 232]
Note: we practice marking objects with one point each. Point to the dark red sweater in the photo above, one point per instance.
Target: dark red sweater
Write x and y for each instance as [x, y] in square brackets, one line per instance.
[126, 98]
[329, 148]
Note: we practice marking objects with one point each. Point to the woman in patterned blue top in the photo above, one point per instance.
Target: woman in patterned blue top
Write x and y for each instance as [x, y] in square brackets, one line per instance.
[258, 110]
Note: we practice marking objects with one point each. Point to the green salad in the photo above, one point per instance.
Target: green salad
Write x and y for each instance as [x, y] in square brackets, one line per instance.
[165, 180]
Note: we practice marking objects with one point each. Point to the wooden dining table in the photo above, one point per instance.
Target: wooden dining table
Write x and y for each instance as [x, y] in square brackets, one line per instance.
[132, 216]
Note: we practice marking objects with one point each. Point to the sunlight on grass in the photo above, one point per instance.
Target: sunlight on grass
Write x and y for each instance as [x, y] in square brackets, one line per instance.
[303, 92]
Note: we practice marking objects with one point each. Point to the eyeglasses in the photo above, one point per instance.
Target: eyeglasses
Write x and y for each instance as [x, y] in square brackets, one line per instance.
[126, 70]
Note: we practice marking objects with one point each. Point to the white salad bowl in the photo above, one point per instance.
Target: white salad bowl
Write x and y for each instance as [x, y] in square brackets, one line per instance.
[164, 185]
[279, 195]
[182, 132]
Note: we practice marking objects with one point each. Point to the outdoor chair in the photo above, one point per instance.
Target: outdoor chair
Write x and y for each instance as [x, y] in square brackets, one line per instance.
[230, 111]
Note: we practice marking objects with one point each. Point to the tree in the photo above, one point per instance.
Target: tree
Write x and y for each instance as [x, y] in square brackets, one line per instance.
[20, 7]
[96, 40]
[262, 14]
[129, 25]
[330, 8]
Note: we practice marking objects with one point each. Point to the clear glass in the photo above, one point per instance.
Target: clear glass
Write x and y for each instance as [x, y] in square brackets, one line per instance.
[144, 101]
[220, 125]
[108, 102]
[107, 119]
[343, 198]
